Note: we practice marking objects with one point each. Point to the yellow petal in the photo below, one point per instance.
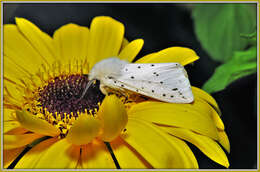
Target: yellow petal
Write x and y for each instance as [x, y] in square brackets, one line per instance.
[210, 111]
[16, 141]
[127, 156]
[195, 116]
[189, 160]
[148, 56]
[200, 94]
[10, 125]
[96, 155]
[10, 155]
[9, 115]
[113, 116]
[70, 42]
[32, 123]
[31, 158]
[16, 131]
[41, 41]
[84, 130]
[20, 50]
[13, 93]
[180, 55]
[205, 144]
[105, 39]
[203, 96]
[223, 140]
[124, 44]
[14, 72]
[217, 120]
[60, 155]
[153, 145]
[131, 50]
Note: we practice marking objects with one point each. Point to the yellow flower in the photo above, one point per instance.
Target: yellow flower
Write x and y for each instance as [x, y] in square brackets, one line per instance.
[46, 125]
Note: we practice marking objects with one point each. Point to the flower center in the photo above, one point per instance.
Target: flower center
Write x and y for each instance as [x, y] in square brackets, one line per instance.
[63, 95]
[60, 101]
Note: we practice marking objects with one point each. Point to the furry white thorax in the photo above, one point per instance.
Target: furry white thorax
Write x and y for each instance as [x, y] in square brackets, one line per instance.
[108, 67]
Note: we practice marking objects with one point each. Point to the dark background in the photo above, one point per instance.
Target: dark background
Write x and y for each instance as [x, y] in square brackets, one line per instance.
[162, 26]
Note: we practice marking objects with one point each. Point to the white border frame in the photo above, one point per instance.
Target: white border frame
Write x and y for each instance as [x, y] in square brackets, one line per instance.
[85, 2]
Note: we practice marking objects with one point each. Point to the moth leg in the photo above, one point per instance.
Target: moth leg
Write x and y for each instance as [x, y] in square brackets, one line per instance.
[103, 89]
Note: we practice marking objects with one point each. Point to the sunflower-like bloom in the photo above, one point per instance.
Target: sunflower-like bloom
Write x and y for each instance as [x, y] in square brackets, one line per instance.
[48, 125]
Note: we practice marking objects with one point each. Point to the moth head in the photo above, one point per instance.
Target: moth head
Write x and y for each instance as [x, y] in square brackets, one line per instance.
[107, 67]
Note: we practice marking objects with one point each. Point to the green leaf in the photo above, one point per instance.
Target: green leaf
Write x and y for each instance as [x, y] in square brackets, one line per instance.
[243, 63]
[219, 27]
[251, 37]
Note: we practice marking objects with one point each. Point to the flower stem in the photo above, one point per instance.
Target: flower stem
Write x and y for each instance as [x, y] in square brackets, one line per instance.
[26, 149]
[112, 155]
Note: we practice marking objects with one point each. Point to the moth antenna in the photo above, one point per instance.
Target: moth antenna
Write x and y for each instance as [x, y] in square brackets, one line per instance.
[86, 88]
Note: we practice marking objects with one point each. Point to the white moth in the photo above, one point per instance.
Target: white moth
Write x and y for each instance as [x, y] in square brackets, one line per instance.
[167, 82]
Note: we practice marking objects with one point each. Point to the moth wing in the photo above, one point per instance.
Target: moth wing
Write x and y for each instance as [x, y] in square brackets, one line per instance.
[163, 81]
